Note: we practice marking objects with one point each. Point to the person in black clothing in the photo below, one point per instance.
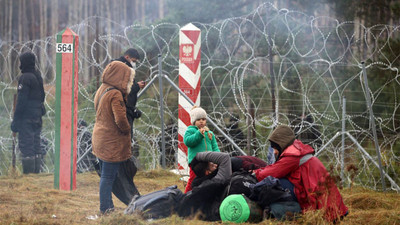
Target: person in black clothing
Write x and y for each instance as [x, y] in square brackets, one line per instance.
[130, 57]
[28, 114]
[206, 170]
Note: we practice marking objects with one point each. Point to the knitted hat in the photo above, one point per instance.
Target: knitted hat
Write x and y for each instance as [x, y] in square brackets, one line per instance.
[197, 113]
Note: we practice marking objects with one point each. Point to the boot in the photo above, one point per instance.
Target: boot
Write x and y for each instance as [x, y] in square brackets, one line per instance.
[28, 164]
[38, 163]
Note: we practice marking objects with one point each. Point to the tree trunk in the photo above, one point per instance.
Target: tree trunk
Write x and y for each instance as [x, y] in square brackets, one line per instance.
[124, 13]
[109, 8]
[43, 29]
[160, 9]
[54, 17]
[32, 33]
[137, 7]
[143, 11]
[85, 76]
[21, 19]
[10, 24]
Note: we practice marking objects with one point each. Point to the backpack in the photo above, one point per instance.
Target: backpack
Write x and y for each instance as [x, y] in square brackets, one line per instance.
[240, 183]
[156, 205]
[269, 191]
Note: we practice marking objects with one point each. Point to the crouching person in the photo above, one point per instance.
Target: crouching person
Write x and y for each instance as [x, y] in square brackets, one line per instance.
[313, 186]
[112, 132]
[213, 171]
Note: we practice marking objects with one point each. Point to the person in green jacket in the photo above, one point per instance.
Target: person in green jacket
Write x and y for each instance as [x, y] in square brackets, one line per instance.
[198, 138]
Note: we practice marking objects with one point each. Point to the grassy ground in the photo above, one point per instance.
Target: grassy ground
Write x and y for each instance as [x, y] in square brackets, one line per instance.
[31, 199]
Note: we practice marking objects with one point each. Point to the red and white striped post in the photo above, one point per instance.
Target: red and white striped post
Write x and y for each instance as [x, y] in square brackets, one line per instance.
[189, 83]
[66, 110]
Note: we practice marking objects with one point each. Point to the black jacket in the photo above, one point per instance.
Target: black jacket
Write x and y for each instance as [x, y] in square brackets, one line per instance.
[132, 96]
[30, 90]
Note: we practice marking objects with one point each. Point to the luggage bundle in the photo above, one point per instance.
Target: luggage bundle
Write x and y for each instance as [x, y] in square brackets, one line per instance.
[156, 205]
[243, 199]
[252, 201]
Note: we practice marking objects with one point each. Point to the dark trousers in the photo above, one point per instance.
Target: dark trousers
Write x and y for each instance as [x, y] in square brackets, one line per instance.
[123, 187]
[29, 137]
[286, 184]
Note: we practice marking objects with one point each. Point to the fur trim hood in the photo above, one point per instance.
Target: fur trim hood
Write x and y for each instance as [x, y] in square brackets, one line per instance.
[118, 75]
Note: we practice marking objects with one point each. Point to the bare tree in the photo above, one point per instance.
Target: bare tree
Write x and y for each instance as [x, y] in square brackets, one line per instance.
[143, 11]
[161, 9]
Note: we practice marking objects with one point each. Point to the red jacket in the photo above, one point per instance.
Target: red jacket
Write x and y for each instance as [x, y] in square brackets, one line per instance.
[313, 186]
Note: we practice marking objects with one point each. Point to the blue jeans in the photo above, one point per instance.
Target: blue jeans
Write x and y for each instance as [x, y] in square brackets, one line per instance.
[109, 172]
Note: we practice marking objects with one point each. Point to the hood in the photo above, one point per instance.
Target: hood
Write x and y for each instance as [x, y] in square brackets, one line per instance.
[118, 75]
[122, 59]
[27, 60]
[282, 135]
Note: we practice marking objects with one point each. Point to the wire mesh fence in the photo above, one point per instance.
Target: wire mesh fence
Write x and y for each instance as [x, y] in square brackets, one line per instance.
[272, 66]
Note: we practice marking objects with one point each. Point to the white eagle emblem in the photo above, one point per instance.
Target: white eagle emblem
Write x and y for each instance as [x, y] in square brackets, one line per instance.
[187, 50]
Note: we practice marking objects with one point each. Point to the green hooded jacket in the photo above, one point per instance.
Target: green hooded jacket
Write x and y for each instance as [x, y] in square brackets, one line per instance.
[196, 142]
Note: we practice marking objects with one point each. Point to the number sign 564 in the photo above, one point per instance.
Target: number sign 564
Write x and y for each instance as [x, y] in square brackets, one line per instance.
[64, 48]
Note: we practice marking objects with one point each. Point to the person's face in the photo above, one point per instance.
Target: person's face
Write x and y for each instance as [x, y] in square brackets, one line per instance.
[211, 168]
[276, 153]
[131, 60]
[200, 123]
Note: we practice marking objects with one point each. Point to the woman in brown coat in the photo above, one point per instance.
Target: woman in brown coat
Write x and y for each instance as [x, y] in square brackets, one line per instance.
[111, 133]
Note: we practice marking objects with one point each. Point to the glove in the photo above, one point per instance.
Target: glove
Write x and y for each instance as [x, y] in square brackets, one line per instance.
[137, 113]
[14, 126]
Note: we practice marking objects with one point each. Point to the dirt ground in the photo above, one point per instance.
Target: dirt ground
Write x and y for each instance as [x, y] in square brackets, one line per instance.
[31, 199]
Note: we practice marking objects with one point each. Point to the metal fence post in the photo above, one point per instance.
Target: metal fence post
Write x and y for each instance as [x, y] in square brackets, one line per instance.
[372, 120]
[343, 136]
[160, 82]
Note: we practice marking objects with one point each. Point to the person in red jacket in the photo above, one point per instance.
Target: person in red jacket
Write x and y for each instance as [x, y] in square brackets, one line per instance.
[313, 186]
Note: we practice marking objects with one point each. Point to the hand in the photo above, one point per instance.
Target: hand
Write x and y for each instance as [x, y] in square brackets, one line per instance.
[253, 173]
[137, 113]
[202, 130]
[141, 84]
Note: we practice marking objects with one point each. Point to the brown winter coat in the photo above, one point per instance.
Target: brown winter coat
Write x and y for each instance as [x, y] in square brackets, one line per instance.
[112, 132]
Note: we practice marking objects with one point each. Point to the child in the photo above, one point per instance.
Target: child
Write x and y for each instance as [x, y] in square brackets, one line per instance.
[198, 138]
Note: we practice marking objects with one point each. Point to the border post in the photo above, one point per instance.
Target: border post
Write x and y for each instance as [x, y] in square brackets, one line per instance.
[189, 84]
[66, 110]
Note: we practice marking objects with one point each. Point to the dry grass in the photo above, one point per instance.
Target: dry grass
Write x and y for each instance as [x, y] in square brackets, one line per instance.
[31, 199]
